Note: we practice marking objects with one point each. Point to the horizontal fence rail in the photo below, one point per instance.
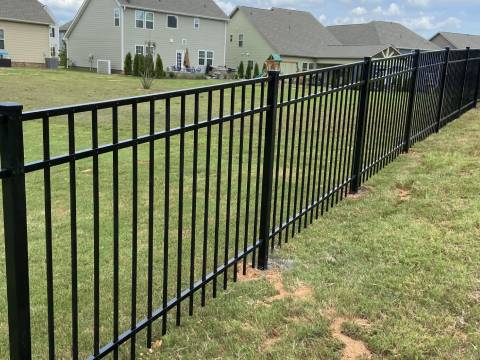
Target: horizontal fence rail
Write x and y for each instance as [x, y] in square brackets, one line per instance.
[120, 216]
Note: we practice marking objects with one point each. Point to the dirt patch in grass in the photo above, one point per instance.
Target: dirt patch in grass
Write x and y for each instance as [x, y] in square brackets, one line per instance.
[403, 193]
[273, 339]
[354, 349]
[274, 277]
[361, 194]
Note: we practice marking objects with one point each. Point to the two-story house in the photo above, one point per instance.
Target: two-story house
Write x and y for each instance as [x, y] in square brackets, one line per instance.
[110, 29]
[28, 33]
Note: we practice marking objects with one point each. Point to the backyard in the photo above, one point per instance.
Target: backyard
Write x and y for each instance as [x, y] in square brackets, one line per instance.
[394, 268]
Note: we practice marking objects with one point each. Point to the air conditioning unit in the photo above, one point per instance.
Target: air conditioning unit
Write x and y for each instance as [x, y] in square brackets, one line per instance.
[104, 67]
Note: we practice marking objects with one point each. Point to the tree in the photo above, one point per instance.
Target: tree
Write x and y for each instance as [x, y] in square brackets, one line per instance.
[63, 57]
[256, 72]
[241, 70]
[136, 65]
[149, 64]
[159, 72]
[141, 64]
[248, 72]
[127, 66]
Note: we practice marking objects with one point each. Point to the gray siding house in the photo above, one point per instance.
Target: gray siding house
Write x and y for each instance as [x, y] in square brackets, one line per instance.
[109, 29]
[295, 38]
[382, 33]
[456, 40]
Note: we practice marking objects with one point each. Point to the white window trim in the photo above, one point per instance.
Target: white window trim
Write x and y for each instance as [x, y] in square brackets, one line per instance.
[142, 46]
[206, 56]
[116, 15]
[243, 40]
[195, 22]
[143, 19]
[3, 38]
[153, 20]
[176, 57]
[168, 27]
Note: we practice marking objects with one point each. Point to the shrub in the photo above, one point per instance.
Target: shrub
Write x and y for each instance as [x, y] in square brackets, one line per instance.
[159, 72]
[127, 65]
[264, 69]
[241, 70]
[136, 65]
[248, 72]
[256, 71]
[148, 64]
[62, 54]
[141, 64]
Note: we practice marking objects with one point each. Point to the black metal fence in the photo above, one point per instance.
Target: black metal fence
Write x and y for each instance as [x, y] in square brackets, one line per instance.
[140, 208]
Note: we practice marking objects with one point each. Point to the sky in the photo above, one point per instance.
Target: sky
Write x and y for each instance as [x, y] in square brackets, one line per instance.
[426, 17]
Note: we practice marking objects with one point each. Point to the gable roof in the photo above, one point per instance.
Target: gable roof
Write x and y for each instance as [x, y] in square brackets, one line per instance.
[289, 32]
[30, 11]
[355, 51]
[460, 41]
[201, 8]
[381, 33]
[65, 26]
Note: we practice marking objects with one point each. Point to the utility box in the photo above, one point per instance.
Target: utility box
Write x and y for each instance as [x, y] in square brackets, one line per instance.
[51, 63]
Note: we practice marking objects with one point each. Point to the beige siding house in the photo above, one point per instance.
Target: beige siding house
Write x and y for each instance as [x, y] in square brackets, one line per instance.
[109, 29]
[294, 37]
[27, 33]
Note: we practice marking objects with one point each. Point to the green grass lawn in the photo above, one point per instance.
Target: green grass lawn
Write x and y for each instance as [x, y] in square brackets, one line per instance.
[383, 258]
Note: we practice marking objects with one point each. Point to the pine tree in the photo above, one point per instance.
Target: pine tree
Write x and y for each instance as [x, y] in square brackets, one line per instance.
[248, 72]
[149, 64]
[241, 70]
[159, 72]
[256, 72]
[127, 67]
[136, 65]
[141, 64]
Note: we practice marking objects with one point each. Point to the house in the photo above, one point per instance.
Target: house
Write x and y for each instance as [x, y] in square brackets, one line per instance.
[110, 29]
[63, 30]
[382, 33]
[456, 40]
[295, 40]
[28, 32]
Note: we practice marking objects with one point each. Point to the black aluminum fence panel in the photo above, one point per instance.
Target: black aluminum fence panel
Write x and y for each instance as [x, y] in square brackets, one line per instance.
[121, 216]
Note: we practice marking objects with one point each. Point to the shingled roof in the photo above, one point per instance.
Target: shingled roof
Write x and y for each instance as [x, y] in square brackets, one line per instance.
[381, 33]
[289, 32]
[25, 11]
[460, 41]
[203, 8]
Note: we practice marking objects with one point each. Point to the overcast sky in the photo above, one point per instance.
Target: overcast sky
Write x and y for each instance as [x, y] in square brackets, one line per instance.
[424, 16]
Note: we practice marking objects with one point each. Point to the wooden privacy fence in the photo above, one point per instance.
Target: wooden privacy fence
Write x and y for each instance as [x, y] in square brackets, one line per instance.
[120, 213]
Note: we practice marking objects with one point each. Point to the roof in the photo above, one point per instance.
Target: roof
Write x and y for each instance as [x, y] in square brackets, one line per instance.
[355, 51]
[289, 32]
[202, 8]
[381, 33]
[65, 26]
[30, 11]
[460, 41]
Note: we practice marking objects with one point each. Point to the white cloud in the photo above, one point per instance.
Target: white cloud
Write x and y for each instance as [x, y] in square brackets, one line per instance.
[426, 22]
[358, 11]
[226, 6]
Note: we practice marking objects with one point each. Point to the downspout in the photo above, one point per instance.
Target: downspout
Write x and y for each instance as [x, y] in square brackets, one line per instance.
[225, 46]
[122, 37]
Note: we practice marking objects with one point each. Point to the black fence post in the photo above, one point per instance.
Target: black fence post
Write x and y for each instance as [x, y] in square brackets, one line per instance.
[443, 83]
[411, 103]
[268, 159]
[15, 228]
[467, 59]
[477, 87]
[360, 127]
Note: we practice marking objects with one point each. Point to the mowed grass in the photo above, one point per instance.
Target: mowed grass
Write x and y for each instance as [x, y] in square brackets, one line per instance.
[305, 339]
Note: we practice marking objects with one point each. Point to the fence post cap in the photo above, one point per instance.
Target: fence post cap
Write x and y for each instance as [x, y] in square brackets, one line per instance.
[10, 106]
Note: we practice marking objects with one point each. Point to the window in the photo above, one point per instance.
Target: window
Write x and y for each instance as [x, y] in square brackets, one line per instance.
[172, 22]
[139, 49]
[139, 16]
[149, 20]
[179, 59]
[52, 32]
[2, 39]
[205, 58]
[149, 49]
[196, 23]
[304, 66]
[240, 40]
[231, 38]
[311, 66]
[53, 52]
[116, 17]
